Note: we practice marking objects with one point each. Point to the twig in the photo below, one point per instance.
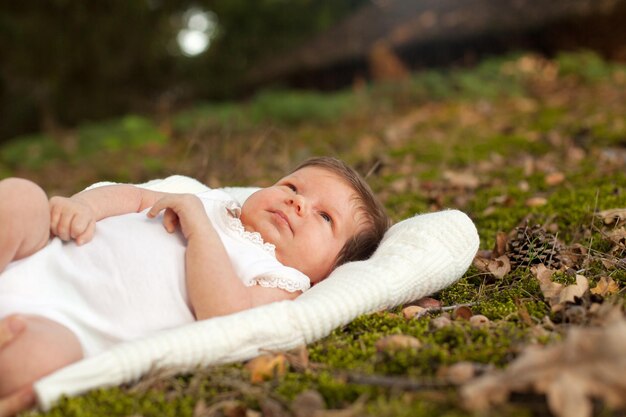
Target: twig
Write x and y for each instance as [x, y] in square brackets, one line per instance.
[405, 384]
[446, 308]
[452, 307]
[372, 169]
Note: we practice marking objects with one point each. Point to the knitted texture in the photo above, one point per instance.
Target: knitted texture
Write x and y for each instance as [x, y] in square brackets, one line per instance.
[417, 257]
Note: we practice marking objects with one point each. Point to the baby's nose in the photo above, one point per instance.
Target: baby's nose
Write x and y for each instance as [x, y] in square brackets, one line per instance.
[299, 204]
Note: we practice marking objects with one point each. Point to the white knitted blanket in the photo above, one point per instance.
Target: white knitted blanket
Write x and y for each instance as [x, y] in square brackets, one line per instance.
[417, 257]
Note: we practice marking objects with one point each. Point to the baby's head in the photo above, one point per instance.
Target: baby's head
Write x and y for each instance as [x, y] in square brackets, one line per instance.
[320, 216]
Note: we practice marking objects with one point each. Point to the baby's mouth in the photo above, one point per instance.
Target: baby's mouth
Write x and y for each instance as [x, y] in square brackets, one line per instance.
[283, 218]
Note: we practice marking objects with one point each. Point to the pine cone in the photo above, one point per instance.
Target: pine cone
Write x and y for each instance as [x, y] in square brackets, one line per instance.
[533, 245]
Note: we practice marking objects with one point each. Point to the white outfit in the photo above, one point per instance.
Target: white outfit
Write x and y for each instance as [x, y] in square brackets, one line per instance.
[418, 256]
[129, 281]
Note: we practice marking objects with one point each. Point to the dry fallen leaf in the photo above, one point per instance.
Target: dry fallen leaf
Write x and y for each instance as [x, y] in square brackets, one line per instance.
[618, 237]
[499, 267]
[554, 178]
[226, 408]
[461, 180]
[557, 294]
[617, 216]
[502, 240]
[428, 302]
[571, 292]
[605, 286]
[308, 403]
[265, 367]
[458, 373]
[298, 357]
[589, 364]
[412, 311]
[271, 408]
[536, 202]
[397, 342]
[441, 322]
[462, 313]
[367, 146]
[478, 321]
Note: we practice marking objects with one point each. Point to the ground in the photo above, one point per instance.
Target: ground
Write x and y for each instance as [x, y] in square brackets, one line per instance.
[532, 149]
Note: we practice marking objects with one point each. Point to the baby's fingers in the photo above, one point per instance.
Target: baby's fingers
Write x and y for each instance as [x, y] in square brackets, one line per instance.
[87, 234]
[158, 207]
[170, 220]
[78, 226]
[62, 229]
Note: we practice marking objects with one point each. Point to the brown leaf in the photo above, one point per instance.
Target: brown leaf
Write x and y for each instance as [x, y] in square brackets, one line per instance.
[481, 262]
[617, 216]
[271, 408]
[536, 202]
[200, 409]
[618, 237]
[499, 267]
[554, 178]
[557, 294]
[226, 408]
[589, 364]
[441, 322]
[462, 313]
[522, 312]
[412, 311]
[605, 286]
[458, 373]
[265, 367]
[367, 146]
[571, 292]
[397, 342]
[478, 321]
[254, 413]
[464, 180]
[573, 255]
[308, 403]
[428, 302]
[298, 358]
[549, 289]
[500, 245]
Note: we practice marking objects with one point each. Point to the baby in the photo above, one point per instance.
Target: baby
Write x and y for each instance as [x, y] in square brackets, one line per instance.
[92, 286]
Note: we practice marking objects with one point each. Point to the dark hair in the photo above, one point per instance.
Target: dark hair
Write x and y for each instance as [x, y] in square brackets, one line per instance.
[364, 243]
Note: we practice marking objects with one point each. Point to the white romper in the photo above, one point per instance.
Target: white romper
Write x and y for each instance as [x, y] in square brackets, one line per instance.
[129, 281]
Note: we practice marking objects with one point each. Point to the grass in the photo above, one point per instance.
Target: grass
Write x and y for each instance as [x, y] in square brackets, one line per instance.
[508, 125]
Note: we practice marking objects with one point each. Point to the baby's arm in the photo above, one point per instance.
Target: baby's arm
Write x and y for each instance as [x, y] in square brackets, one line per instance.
[212, 284]
[75, 217]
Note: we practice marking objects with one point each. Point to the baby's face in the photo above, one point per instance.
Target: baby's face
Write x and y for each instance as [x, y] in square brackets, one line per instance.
[308, 215]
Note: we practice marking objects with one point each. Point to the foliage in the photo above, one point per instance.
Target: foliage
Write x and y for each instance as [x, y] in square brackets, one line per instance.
[65, 61]
[517, 140]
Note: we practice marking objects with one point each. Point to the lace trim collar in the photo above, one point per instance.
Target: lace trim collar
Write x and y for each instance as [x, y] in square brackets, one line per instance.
[290, 285]
[233, 211]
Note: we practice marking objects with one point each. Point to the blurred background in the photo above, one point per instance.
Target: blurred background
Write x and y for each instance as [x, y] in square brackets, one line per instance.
[80, 76]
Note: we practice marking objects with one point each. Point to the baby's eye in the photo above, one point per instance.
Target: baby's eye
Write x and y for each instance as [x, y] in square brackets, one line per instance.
[291, 186]
[326, 217]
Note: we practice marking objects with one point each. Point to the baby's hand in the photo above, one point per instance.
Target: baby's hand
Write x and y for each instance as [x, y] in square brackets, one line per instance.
[185, 210]
[70, 218]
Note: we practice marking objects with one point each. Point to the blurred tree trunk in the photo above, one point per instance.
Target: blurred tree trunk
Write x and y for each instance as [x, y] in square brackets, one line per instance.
[401, 25]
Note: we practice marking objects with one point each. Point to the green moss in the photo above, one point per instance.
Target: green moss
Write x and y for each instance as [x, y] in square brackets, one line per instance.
[32, 152]
[585, 65]
[115, 402]
[293, 107]
[129, 132]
